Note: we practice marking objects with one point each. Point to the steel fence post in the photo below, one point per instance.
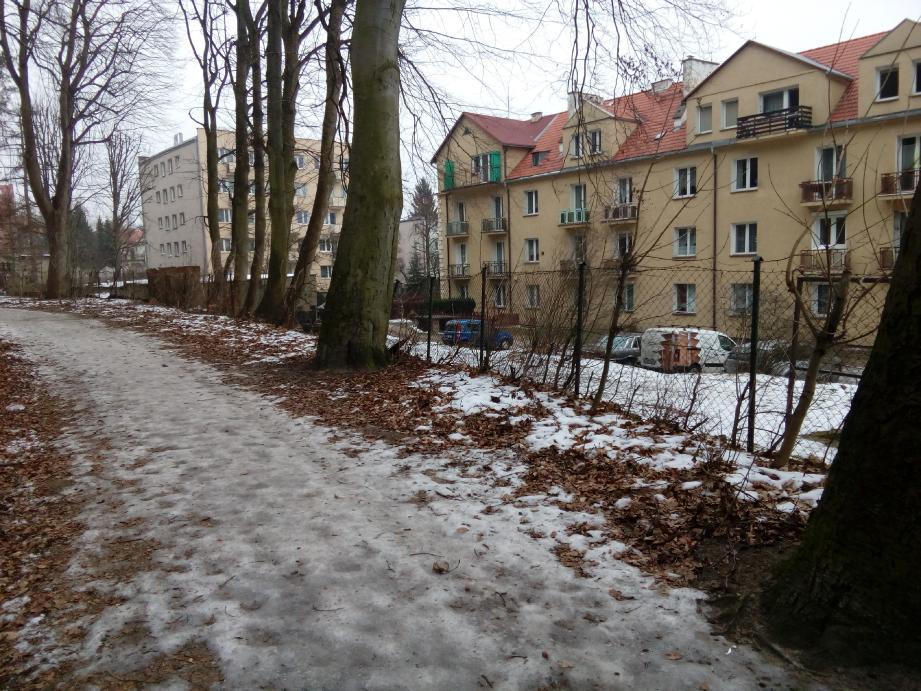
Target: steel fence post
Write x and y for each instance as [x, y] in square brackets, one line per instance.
[579, 307]
[428, 345]
[753, 351]
[483, 276]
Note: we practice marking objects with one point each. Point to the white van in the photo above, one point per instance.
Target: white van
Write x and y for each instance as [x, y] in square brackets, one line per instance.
[684, 349]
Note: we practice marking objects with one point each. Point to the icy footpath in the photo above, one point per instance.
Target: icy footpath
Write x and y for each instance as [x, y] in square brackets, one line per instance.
[305, 563]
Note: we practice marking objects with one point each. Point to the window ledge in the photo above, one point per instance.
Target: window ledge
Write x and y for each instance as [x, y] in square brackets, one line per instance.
[705, 132]
[684, 196]
[684, 256]
[887, 99]
[536, 213]
[744, 189]
[742, 254]
[687, 314]
[529, 261]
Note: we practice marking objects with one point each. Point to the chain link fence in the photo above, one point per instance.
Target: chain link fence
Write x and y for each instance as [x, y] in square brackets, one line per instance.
[681, 348]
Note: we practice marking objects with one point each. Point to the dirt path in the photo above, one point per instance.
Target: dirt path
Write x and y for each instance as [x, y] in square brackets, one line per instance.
[265, 555]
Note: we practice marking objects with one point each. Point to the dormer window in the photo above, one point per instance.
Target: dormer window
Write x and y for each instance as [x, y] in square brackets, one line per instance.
[730, 113]
[594, 142]
[782, 99]
[704, 119]
[538, 157]
[575, 148]
[887, 83]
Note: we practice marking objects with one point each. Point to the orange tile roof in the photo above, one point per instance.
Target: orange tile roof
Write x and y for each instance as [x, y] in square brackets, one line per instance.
[655, 113]
[843, 57]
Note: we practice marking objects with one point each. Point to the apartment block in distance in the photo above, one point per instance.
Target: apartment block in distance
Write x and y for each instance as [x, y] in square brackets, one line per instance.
[806, 159]
[175, 198]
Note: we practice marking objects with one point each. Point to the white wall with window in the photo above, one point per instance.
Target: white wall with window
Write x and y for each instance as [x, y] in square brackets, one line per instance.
[684, 298]
[744, 238]
[685, 242]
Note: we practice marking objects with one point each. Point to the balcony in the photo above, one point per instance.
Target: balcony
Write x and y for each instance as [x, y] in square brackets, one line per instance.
[459, 270]
[571, 264]
[827, 193]
[824, 261]
[888, 254]
[775, 122]
[571, 217]
[899, 184]
[457, 229]
[496, 269]
[494, 225]
[615, 264]
[620, 213]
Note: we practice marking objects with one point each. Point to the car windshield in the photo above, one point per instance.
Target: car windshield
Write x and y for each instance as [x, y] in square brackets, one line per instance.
[621, 342]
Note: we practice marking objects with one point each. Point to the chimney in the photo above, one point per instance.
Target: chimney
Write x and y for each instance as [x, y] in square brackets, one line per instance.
[572, 103]
[536, 115]
[694, 71]
[177, 139]
[661, 85]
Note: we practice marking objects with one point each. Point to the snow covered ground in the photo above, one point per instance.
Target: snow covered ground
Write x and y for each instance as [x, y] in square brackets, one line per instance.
[302, 561]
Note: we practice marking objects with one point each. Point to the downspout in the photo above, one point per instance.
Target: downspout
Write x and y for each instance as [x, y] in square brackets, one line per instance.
[713, 249]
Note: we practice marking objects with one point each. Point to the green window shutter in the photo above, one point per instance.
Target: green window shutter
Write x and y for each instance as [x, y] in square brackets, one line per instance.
[495, 166]
[449, 175]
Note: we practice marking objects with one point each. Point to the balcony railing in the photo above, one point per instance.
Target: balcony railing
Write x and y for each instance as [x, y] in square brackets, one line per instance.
[459, 270]
[457, 228]
[620, 213]
[616, 263]
[824, 261]
[888, 254]
[903, 182]
[573, 216]
[824, 192]
[796, 118]
[494, 225]
[571, 264]
[496, 269]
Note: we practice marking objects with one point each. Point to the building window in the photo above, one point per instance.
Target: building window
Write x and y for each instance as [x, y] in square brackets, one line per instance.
[224, 244]
[299, 161]
[594, 142]
[497, 211]
[629, 297]
[479, 164]
[532, 293]
[160, 222]
[499, 295]
[899, 223]
[887, 82]
[704, 119]
[530, 203]
[579, 197]
[163, 169]
[831, 163]
[830, 231]
[226, 156]
[172, 194]
[302, 216]
[463, 290]
[538, 157]
[917, 87]
[686, 181]
[821, 298]
[532, 250]
[685, 242]
[624, 190]
[779, 100]
[185, 247]
[744, 238]
[176, 248]
[730, 113]
[300, 191]
[740, 298]
[155, 171]
[175, 222]
[909, 153]
[575, 146]
[746, 174]
[169, 249]
[685, 298]
[165, 195]
[326, 272]
[176, 159]
[223, 215]
[325, 245]
[162, 249]
[331, 218]
[169, 166]
[624, 243]
[158, 196]
[178, 190]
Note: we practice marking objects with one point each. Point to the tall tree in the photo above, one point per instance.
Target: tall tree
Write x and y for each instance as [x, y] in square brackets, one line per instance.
[90, 59]
[326, 177]
[424, 208]
[239, 227]
[354, 330]
[852, 586]
[122, 152]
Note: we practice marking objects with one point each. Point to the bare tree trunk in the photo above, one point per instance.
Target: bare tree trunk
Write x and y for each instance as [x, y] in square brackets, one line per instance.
[354, 329]
[614, 327]
[240, 202]
[824, 340]
[326, 178]
[258, 129]
[851, 588]
[211, 201]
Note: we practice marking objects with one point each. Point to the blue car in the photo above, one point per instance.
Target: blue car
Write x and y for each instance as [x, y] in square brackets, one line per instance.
[467, 332]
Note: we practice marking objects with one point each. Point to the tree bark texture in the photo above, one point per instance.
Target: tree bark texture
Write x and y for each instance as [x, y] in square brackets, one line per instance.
[326, 178]
[852, 587]
[258, 128]
[354, 328]
[239, 229]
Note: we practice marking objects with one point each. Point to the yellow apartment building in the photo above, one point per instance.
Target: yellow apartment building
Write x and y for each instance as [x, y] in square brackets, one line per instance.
[806, 159]
[175, 200]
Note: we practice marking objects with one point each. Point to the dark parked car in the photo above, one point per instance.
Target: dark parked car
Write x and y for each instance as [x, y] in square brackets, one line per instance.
[771, 356]
[467, 332]
[625, 349]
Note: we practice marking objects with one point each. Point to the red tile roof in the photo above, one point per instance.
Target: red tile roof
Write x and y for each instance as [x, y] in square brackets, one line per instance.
[843, 57]
[655, 113]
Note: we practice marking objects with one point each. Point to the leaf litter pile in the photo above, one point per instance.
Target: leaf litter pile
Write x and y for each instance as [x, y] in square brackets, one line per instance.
[664, 498]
